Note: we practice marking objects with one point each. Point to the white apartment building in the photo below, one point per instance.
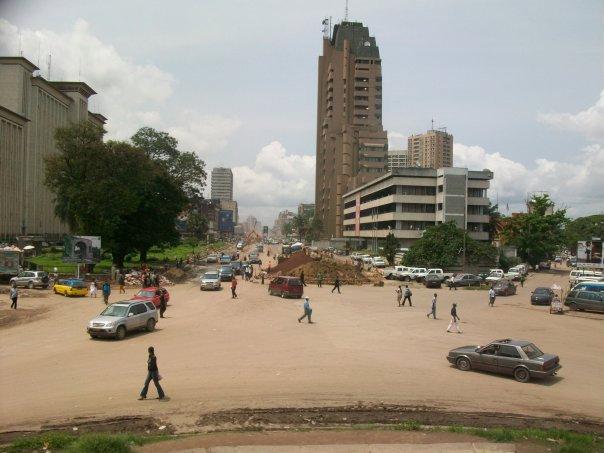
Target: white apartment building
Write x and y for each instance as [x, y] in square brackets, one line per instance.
[407, 201]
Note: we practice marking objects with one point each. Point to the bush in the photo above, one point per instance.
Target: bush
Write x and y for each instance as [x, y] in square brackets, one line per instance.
[51, 441]
[103, 443]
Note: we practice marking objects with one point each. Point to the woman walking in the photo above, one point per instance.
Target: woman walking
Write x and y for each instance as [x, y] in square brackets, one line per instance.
[454, 319]
[93, 288]
[14, 295]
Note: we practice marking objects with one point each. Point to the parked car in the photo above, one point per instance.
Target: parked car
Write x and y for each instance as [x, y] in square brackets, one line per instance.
[542, 296]
[213, 258]
[589, 286]
[255, 259]
[394, 273]
[152, 294]
[31, 279]
[210, 280]
[378, 261]
[545, 265]
[584, 275]
[71, 287]
[504, 288]
[225, 259]
[286, 287]
[407, 275]
[240, 245]
[464, 280]
[585, 300]
[495, 275]
[226, 273]
[123, 317]
[433, 281]
[519, 358]
[260, 248]
[443, 275]
[513, 273]
[418, 274]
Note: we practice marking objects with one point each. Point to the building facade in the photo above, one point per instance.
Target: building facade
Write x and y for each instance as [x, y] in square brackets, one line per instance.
[306, 209]
[351, 141]
[398, 158]
[283, 218]
[434, 149]
[31, 109]
[222, 184]
[407, 201]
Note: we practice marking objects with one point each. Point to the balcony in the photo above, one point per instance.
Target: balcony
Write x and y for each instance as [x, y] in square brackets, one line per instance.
[477, 218]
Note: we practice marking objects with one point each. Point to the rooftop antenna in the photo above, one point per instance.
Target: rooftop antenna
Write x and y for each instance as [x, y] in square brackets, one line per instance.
[49, 64]
[20, 45]
[346, 12]
[432, 121]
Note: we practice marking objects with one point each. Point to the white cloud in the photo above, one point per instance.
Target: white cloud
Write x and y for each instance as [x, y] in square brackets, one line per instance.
[589, 122]
[396, 140]
[276, 180]
[130, 95]
[577, 185]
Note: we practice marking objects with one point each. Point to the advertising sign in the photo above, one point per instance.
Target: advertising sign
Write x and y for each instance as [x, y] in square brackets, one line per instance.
[589, 252]
[82, 249]
[10, 261]
[265, 230]
[225, 221]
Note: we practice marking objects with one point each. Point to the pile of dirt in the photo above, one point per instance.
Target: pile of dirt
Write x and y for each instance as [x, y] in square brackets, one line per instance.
[329, 269]
[286, 266]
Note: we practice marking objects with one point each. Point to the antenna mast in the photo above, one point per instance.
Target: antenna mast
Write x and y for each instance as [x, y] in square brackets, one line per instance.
[49, 64]
[346, 12]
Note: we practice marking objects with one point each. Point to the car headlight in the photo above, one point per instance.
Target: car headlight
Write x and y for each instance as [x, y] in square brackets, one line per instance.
[110, 324]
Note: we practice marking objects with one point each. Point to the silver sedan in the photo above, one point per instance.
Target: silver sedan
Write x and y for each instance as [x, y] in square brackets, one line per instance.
[210, 280]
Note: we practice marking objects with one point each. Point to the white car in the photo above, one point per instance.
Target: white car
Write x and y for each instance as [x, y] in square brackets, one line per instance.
[513, 273]
[378, 261]
[210, 280]
[367, 259]
[213, 258]
[495, 275]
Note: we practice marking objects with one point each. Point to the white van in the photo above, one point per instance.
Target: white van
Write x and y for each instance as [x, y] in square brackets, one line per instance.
[583, 274]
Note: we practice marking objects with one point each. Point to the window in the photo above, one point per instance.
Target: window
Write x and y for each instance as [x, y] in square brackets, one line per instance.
[150, 306]
[138, 309]
[491, 349]
[440, 188]
[440, 206]
[508, 351]
[532, 351]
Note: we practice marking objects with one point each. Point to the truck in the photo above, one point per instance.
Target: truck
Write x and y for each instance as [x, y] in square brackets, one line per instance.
[10, 262]
[444, 276]
[395, 273]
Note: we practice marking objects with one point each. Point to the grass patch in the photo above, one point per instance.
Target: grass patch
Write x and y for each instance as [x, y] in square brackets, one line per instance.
[50, 441]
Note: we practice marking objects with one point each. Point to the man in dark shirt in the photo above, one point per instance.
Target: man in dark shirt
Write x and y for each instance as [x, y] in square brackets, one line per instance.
[454, 319]
[152, 375]
[336, 285]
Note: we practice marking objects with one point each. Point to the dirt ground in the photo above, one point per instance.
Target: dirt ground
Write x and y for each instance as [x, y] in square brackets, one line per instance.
[219, 354]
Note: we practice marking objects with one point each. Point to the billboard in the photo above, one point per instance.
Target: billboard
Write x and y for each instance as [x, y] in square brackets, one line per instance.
[265, 230]
[10, 261]
[82, 249]
[589, 251]
[225, 221]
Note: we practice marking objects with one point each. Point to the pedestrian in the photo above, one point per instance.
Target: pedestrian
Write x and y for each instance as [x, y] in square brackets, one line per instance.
[233, 288]
[307, 311]
[152, 375]
[14, 295]
[491, 297]
[522, 278]
[408, 295]
[262, 275]
[302, 278]
[145, 280]
[163, 303]
[319, 279]
[336, 284]
[106, 291]
[121, 279]
[269, 268]
[93, 288]
[399, 294]
[433, 309]
[454, 319]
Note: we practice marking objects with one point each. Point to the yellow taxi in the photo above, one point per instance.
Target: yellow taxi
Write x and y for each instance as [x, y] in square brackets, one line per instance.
[71, 287]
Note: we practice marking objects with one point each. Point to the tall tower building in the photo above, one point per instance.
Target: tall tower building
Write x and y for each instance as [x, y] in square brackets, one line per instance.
[222, 184]
[351, 142]
[434, 149]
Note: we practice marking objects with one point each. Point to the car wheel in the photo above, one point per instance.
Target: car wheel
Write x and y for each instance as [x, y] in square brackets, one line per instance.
[572, 306]
[30, 285]
[120, 333]
[521, 374]
[406, 279]
[55, 290]
[150, 327]
[93, 336]
[463, 364]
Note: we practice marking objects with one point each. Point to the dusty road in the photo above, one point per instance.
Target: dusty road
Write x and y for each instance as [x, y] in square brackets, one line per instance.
[217, 353]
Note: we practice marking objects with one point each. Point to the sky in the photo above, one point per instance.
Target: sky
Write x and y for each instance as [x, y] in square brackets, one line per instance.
[519, 83]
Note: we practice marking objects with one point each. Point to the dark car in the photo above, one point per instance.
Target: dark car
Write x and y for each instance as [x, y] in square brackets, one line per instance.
[226, 273]
[237, 267]
[286, 287]
[518, 358]
[504, 288]
[465, 280]
[433, 281]
[585, 300]
[542, 296]
[255, 259]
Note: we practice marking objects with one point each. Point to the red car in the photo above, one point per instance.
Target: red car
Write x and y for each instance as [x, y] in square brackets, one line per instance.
[151, 295]
[286, 287]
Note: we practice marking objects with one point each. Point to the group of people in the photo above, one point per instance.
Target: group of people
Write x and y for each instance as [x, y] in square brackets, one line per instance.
[105, 289]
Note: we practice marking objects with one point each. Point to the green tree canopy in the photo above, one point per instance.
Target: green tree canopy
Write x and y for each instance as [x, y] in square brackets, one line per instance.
[538, 234]
[582, 229]
[390, 248]
[197, 224]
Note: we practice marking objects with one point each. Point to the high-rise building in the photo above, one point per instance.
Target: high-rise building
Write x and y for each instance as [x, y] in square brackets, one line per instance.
[31, 110]
[351, 141]
[306, 209]
[398, 158]
[222, 184]
[434, 149]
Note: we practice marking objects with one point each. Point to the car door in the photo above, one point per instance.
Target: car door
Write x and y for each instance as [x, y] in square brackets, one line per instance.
[140, 312]
[508, 358]
[486, 358]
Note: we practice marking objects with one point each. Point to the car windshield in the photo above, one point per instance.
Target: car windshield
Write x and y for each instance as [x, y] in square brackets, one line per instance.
[541, 291]
[210, 275]
[146, 293]
[532, 351]
[226, 269]
[115, 310]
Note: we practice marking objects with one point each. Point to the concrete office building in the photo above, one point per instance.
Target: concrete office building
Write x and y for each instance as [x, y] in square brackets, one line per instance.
[351, 141]
[222, 184]
[398, 158]
[434, 149]
[31, 109]
[306, 209]
[407, 201]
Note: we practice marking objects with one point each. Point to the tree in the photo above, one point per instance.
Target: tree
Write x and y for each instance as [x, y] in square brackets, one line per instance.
[287, 229]
[112, 190]
[442, 246]
[315, 227]
[583, 228]
[495, 220]
[197, 224]
[390, 248]
[185, 167]
[537, 234]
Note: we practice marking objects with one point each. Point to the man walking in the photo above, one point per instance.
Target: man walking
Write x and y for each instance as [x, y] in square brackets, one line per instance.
[491, 297]
[433, 310]
[336, 284]
[14, 295]
[319, 279]
[106, 291]
[121, 279]
[522, 278]
[152, 375]
[454, 319]
[302, 278]
[307, 311]
[163, 304]
[233, 288]
[399, 295]
[408, 295]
